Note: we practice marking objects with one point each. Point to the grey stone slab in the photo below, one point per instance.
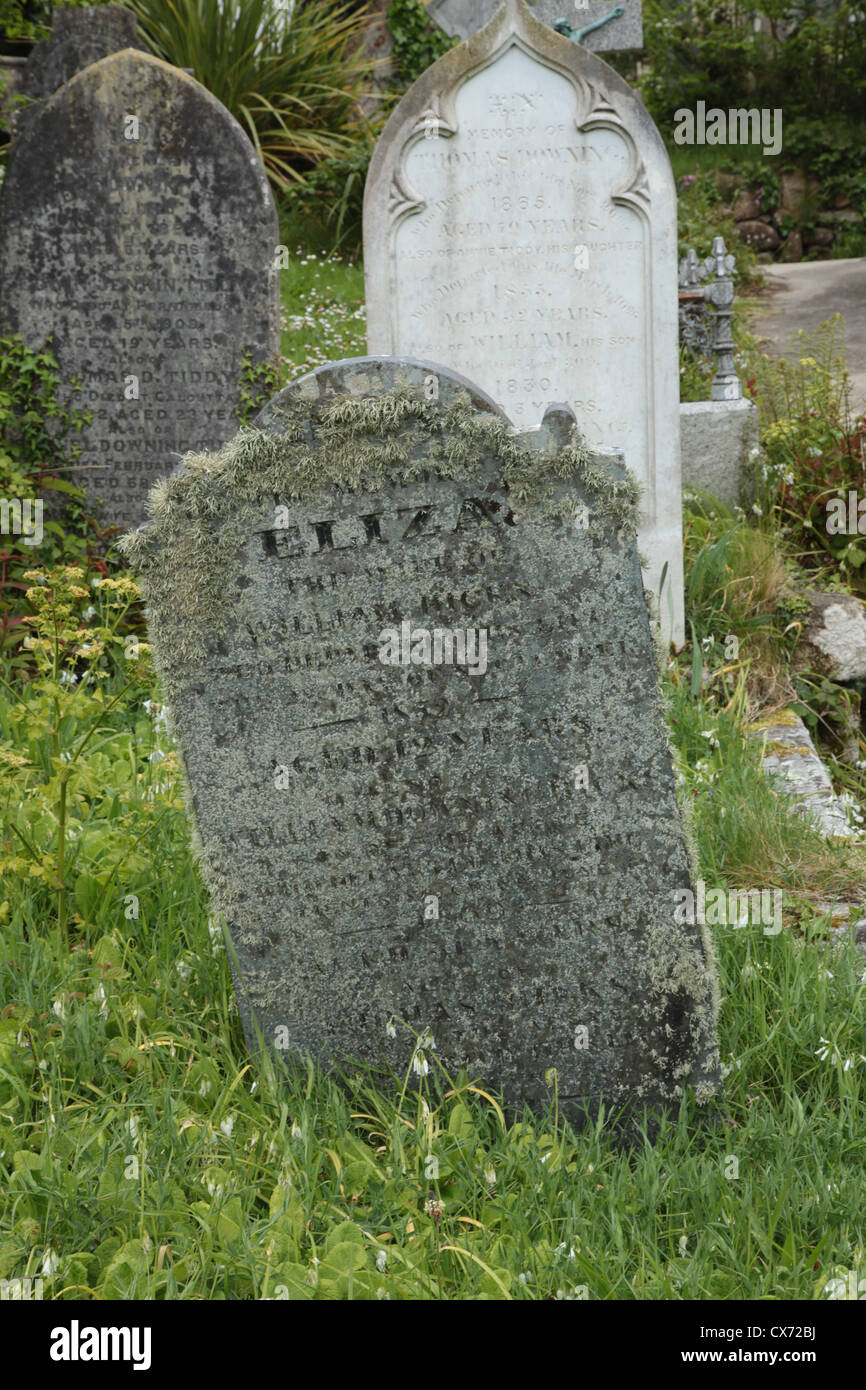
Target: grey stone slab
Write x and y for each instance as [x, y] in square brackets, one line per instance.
[490, 850]
[148, 251]
[833, 640]
[791, 760]
[520, 224]
[716, 443]
[78, 38]
[463, 18]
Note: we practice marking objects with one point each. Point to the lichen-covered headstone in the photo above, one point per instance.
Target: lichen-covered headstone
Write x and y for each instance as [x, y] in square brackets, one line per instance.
[520, 224]
[410, 671]
[138, 229]
[77, 38]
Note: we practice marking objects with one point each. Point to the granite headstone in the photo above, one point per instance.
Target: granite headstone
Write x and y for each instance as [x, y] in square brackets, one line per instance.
[77, 38]
[520, 224]
[411, 676]
[138, 229]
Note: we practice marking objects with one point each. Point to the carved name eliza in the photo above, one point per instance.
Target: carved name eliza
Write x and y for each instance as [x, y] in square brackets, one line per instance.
[287, 541]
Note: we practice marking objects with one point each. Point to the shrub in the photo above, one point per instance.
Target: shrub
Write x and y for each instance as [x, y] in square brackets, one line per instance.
[739, 581]
[37, 426]
[713, 53]
[700, 218]
[333, 194]
[21, 21]
[418, 42]
[814, 451]
[82, 651]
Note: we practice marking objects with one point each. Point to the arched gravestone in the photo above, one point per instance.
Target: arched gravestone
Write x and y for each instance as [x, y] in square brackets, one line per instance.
[77, 38]
[137, 227]
[520, 224]
[486, 845]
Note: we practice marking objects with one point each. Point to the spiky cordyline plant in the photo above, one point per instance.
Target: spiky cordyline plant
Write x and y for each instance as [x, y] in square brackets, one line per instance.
[292, 75]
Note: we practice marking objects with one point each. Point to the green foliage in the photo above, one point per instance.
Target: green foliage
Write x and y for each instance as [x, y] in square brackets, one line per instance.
[813, 451]
[418, 42]
[831, 711]
[696, 374]
[323, 311]
[61, 713]
[28, 21]
[714, 54]
[37, 418]
[293, 84]
[141, 1157]
[746, 828]
[38, 422]
[332, 196]
[850, 243]
[700, 219]
[23, 21]
[740, 584]
[259, 381]
[830, 148]
[746, 601]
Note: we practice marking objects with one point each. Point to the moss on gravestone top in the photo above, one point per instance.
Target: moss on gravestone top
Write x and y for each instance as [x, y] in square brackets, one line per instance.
[202, 514]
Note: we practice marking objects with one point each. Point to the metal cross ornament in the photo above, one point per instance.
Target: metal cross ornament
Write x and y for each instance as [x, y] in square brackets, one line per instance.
[720, 265]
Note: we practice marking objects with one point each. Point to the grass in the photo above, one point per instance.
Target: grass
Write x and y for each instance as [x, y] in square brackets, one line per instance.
[322, 311]
[747, 834]
[142, 1156]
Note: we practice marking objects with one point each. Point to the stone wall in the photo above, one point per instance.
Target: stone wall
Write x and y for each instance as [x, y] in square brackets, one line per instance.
[800, 224]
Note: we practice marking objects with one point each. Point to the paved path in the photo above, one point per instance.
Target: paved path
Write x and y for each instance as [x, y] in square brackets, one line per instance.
[806, 293]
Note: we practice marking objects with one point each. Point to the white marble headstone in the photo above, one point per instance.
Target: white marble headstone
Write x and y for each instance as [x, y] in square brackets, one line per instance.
[520, 226]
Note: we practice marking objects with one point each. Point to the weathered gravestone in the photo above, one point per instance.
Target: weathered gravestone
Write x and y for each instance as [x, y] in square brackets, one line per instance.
[410, 671]
[520, 224]
[598, 24]
[78, 38]
[137, 227]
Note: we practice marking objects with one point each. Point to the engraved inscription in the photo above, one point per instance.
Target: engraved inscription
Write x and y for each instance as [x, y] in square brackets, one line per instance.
[147, 258]
[492, 221]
